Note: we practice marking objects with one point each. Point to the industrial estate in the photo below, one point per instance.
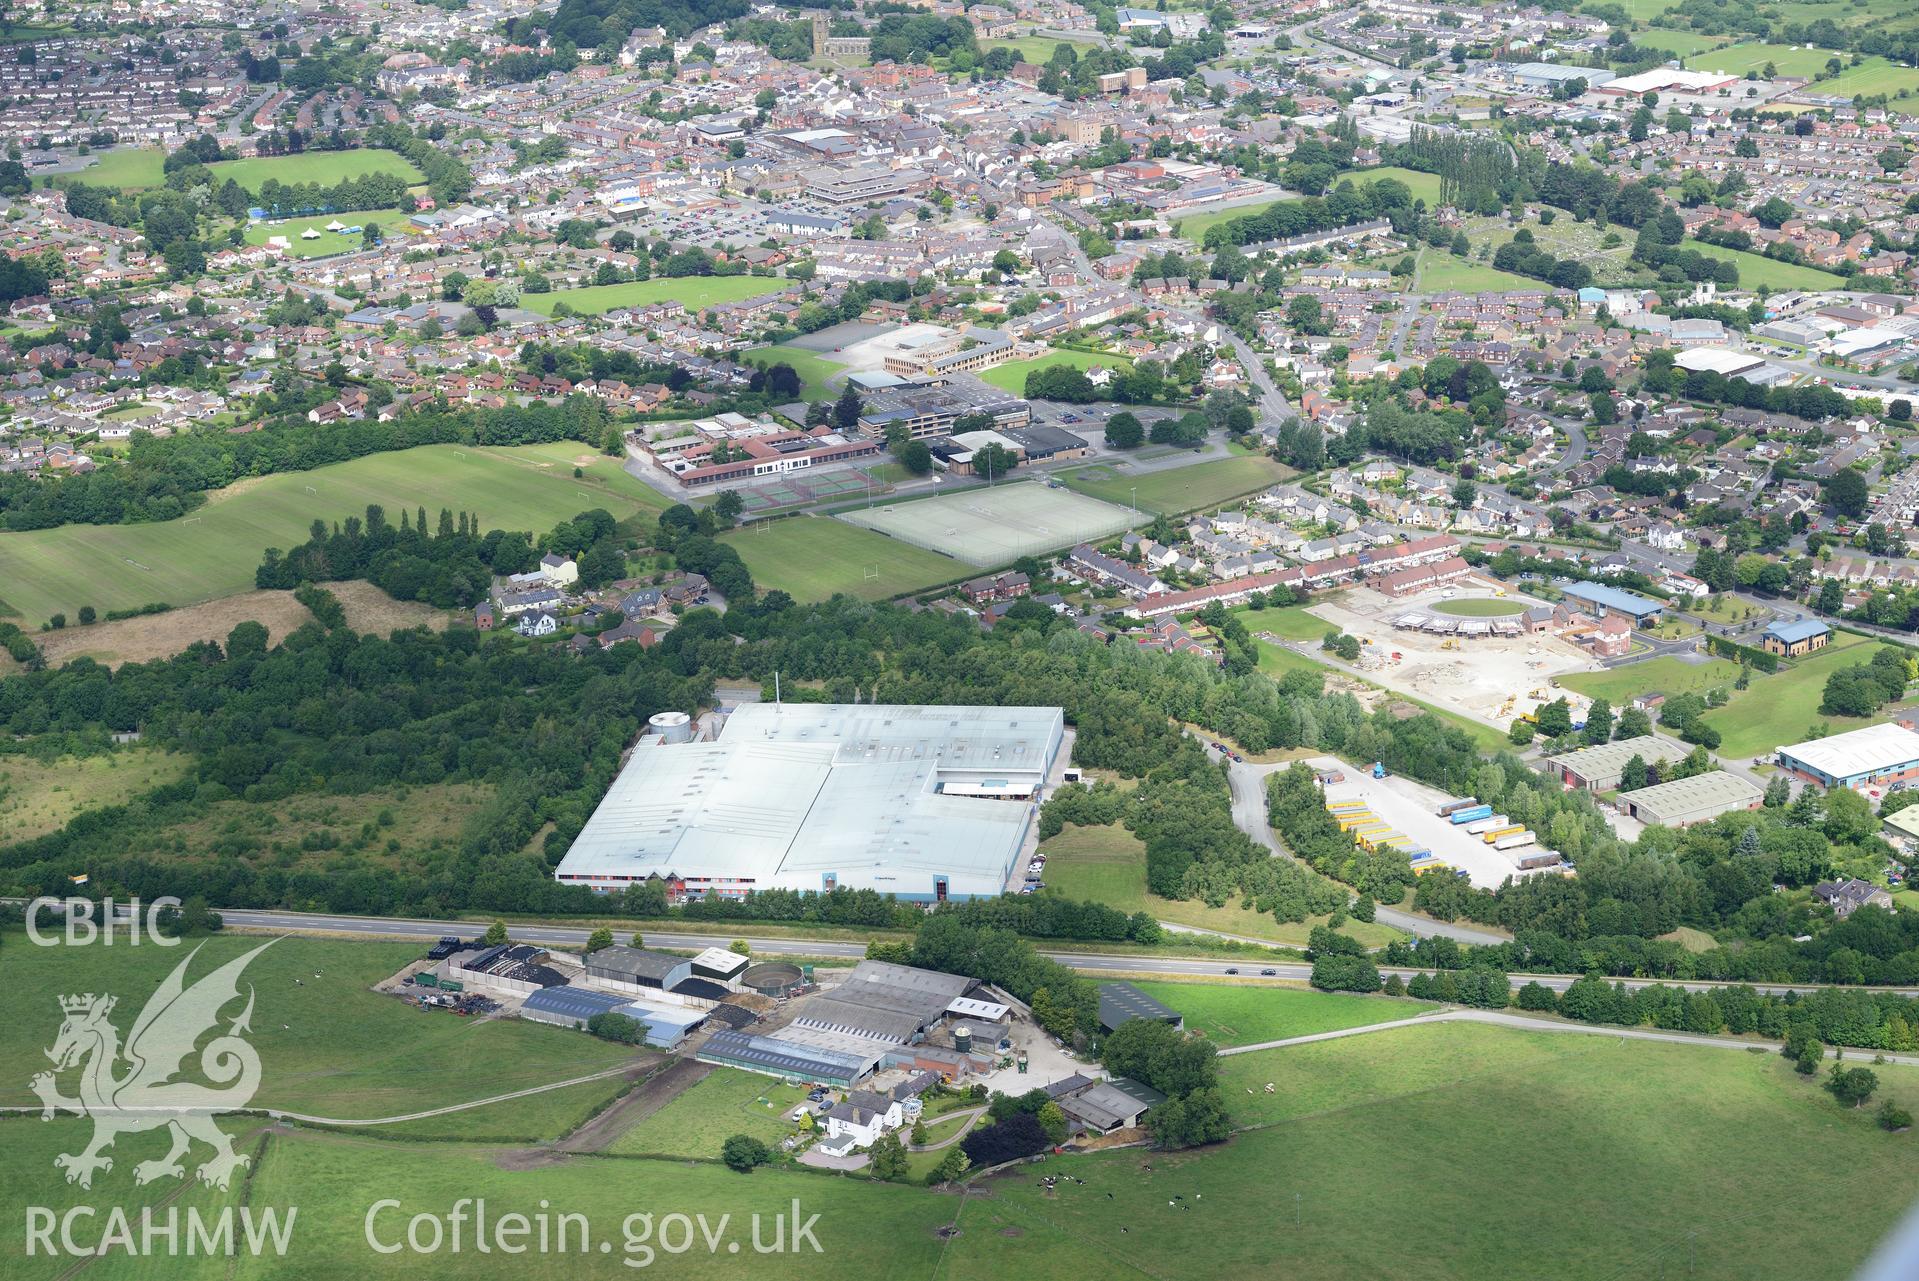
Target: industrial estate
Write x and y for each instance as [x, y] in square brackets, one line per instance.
[959, 638]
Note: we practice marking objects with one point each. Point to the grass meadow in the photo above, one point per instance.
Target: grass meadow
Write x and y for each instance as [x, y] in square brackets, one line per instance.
[694, 292]
[1180, 489]
[214, 551]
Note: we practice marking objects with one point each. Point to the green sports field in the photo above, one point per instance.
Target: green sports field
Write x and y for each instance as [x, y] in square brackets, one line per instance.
[1012, 375]
[1180, 489]
[1788, 60]
[1871, 77]
[691, 291]
[820, 375]
[214, 551]
[128, 168]
[330, 242]
[1249, 1015]
[324, 167]
[1757, 269]
[812, 558]
[1108, 865]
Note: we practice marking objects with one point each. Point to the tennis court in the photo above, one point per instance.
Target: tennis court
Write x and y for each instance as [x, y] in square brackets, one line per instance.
[793, 490]
[998, 524]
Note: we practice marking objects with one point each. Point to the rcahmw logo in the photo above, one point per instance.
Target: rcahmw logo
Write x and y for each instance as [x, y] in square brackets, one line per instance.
[139, 1086]
[89, 922]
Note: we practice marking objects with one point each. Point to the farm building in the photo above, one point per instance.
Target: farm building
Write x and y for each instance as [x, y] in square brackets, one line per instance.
[1122, 1003]
[924, 803]
[655, 974]
[1105, 1106]
[1796, 637]
[574, 1006]
[1605, 600]
[1692, 800]
[1599, 769]
[1876, 756]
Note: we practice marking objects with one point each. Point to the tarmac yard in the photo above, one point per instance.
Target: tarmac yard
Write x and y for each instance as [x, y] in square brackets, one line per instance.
[1413, 808]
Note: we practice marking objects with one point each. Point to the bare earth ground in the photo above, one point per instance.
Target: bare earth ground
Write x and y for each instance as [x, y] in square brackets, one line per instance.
[652, 1094]
[1477, 678]
[151, 636]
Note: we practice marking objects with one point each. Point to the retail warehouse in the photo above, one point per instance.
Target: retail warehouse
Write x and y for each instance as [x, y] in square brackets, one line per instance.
[926, 803]
[1876, 756]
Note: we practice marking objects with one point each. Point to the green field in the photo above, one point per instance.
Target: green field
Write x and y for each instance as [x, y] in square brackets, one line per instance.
[1872, 77]
[1108, 865]
[692, 291]
[1480, 607]
[1775, 710]
[1439, 272]
[1668, 675]
[1354, 1126]
[1789, 60]
[214, 551]
[706, 1113]
[1757, 269]
[1290, 622]
[1251, 1015]
[1180, 489]
[1034, 49]
[324, 167]
[812, 558]
[330, 242]
[128, 168]
[1012, 375]
[1425, 185]
[37, 798]
[821, 375]
[1784, 707]
[1681, 44]
[328, 1046]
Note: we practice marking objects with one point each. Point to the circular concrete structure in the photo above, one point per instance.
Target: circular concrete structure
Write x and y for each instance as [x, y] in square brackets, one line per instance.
[772, 978]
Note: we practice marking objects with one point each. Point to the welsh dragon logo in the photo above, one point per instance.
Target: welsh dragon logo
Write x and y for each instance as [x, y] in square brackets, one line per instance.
[136, 1088]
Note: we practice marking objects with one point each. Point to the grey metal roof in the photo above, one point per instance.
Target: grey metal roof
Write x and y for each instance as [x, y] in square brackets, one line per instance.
[1121, 1002]
[573, 1002]
[769, 1055]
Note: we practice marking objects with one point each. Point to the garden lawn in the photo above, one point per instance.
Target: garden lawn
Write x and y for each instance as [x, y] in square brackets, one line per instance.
[215, 550]
[328, 1046]
[1012, 375]
[327, 168]
[1757, 269]
[692, 291]
[1108, 865]
[1249, 1015]
[1784, 707]
[712, 1110]
[392, 224]
[1677, 1163]
[1440, 271]
[815, 557]
[1181, 489]
[128, 168]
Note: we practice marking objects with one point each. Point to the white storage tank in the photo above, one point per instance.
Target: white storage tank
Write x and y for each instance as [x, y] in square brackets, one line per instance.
[672, 727]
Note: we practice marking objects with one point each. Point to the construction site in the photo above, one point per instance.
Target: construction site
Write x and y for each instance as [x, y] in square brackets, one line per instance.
[1467, 649]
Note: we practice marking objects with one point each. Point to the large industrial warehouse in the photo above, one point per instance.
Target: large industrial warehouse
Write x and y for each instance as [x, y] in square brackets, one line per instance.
[1876, 756]
[926, 803]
